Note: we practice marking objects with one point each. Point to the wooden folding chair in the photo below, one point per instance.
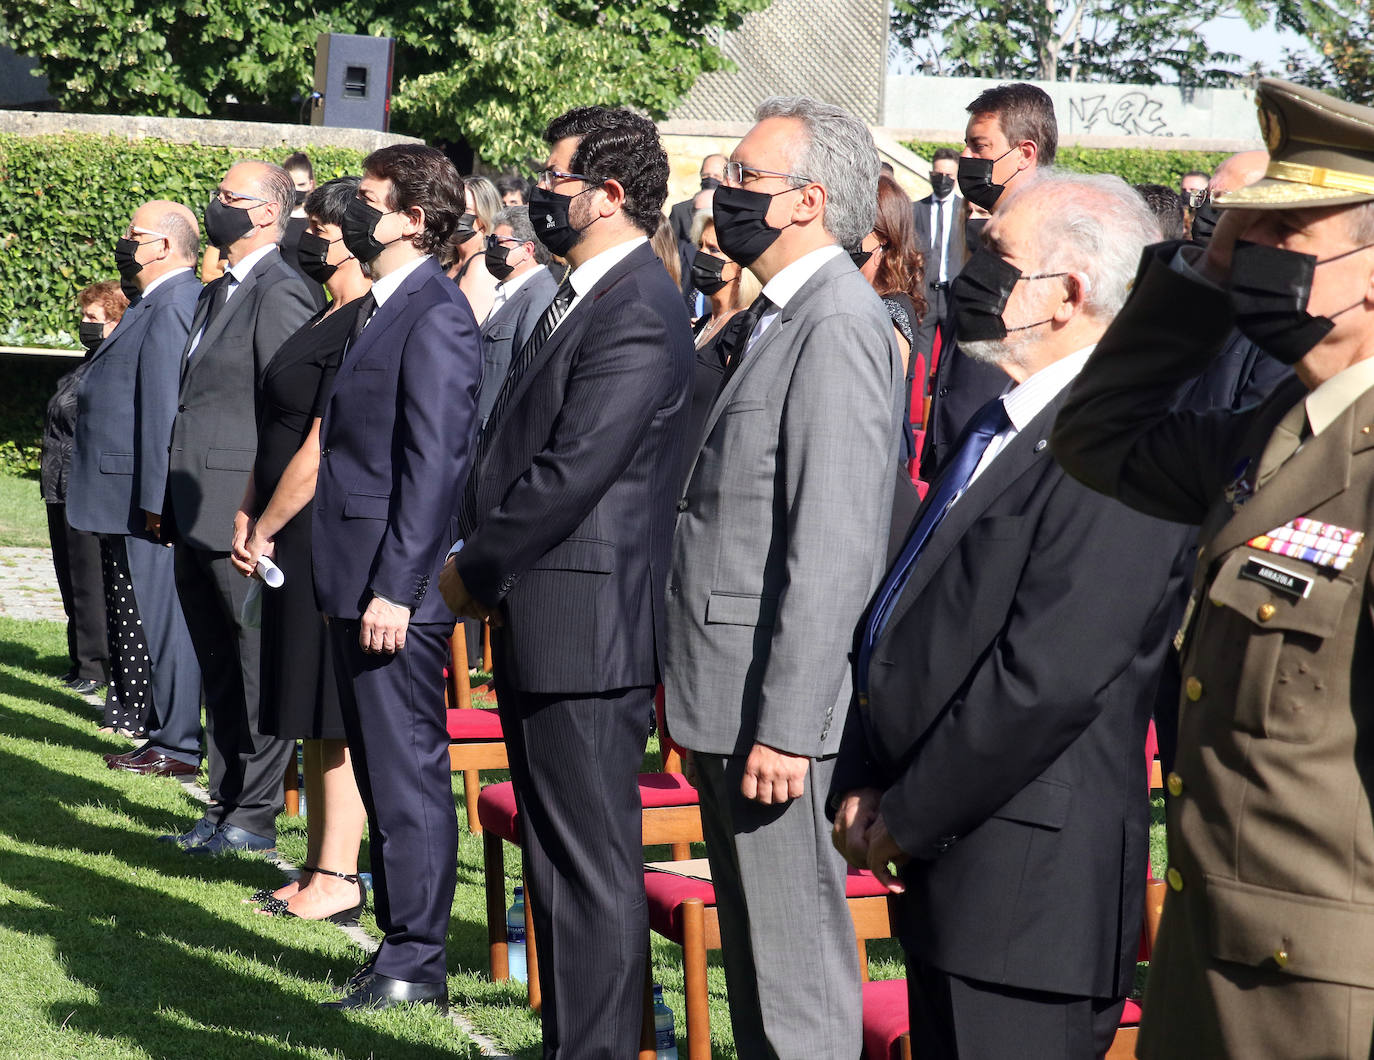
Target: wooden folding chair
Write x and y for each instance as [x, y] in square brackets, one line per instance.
[475, 738]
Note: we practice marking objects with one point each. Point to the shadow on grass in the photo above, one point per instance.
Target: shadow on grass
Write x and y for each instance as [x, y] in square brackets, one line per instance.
[143, 955]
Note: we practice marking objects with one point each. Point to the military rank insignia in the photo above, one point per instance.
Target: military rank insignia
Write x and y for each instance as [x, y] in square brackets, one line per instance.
[1241, 488]
[1312, 542]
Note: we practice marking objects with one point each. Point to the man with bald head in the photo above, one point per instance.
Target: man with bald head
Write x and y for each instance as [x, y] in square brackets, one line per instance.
[240, 322]
[126, 403]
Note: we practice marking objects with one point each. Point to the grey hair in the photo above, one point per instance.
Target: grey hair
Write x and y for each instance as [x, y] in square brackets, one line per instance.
[1092, 223]
[700, 220]
[183, 235]
[276, 185]
[837, 153]
[1359, 220]
[518, 220]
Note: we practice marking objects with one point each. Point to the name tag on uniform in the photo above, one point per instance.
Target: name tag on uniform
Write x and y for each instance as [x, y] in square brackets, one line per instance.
[1278, 578]
[1313, 542]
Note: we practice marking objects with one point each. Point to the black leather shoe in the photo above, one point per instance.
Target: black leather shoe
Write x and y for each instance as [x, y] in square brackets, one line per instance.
[378, 991]
[85, 686]
[230, 837]
[200, 833]
[361, 972]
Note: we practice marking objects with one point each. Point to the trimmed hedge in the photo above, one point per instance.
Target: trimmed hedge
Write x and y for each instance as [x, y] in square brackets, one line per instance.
[1133, 165]
[28, 383]
[64, 200]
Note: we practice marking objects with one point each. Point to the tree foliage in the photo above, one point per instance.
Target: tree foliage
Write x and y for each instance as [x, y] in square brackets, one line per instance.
[1138, 41]
[486, 72]
[1345, 61]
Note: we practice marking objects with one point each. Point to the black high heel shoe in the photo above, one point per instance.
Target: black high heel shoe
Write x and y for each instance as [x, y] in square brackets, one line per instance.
[345, 917]
[264, 893]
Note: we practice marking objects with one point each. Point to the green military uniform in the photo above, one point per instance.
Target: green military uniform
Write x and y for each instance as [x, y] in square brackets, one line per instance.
[1266, 948]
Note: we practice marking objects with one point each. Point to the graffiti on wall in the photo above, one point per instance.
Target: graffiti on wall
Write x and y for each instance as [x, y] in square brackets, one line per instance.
[1130, 114]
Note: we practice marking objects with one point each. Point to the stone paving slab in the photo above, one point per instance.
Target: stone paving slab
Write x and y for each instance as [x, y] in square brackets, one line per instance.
[28, 585]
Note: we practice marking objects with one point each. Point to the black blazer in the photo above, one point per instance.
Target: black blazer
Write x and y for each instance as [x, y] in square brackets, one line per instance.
[920, 215]
[395, 445]
[961, 387]
[577, 490]
[215, 433]
[1009, 696]
[680, 219]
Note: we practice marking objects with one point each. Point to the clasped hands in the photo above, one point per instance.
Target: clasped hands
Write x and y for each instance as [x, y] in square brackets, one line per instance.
[860, 835]
[461, 602]
[248, 545]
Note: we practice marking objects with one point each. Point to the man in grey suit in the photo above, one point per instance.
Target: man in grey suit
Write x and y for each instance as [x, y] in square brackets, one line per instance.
[126, 403]
[780, 540]
[518, 260]
[241, 321]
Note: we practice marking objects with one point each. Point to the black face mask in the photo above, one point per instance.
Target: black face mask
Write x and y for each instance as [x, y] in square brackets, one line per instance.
[860, 257]
[549, 215]
[495, 259]
[973, 232]
[707, 183]
[465, 231]
[706, 273]
[92, 334]
[312, 252]
[978, 296]
[1269, 292]
[1205, 219]
[742, 227]
[941, 184]
[300, 197]
[975, 180]
[358, 227]
[128, 266]
[226, 225]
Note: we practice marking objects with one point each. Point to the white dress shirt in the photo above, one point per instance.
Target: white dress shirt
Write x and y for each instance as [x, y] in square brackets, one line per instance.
[939, 234]
[233, 276]
[506, 289]
[589, 273]
[384, 288]
[162, 279]
[783, 287]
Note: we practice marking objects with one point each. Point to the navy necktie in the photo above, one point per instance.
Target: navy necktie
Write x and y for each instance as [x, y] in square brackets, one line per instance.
[990, 421]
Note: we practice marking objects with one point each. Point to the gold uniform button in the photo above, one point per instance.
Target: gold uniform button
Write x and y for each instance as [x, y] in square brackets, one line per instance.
[1193, 688]
[1281, 957]
[1266, 612]
[1175, 784]
[1175, 879]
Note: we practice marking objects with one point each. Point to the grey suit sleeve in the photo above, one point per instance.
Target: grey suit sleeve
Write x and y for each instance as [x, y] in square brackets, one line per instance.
[284, 307]
[837, 456]
[155, 398]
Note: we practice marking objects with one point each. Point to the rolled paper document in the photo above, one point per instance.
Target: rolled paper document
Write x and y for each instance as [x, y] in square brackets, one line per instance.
[270, 573]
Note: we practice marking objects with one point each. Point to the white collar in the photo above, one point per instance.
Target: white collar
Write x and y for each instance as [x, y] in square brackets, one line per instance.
[506, 288]
[240, 271]
[790, 279]
[1028, 399]
[589, 273]
[161, 279]
[385, 287]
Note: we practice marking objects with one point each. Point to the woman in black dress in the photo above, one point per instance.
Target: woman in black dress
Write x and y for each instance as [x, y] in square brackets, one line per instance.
[728, 288]
[299, 697]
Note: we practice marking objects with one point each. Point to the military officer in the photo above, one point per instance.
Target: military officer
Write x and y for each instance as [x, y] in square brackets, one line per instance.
[1267, 943]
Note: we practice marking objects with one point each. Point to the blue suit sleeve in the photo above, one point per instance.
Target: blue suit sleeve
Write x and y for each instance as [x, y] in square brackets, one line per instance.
[155, 398]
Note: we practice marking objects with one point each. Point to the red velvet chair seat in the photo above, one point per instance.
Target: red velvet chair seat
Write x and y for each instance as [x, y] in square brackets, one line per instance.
[1130, 1015]
[477, 723]
[885, 1018]
[497, 811]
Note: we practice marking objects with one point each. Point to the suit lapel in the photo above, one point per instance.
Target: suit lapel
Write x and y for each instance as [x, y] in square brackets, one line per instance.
[1025, 453]
[132, 320]
[387, 313]
[1315, 473]
[216, 327]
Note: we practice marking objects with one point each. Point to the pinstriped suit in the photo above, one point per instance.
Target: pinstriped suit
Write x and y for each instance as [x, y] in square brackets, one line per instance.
[575, 489]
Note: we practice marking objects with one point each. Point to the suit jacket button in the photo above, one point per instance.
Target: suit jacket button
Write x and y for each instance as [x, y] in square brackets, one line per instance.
[181, 408]
[1266, 612]
[1175, 879]
[1174, 782]
[324, 453]
[1281, 957]
[1192, 688]
[682, 505]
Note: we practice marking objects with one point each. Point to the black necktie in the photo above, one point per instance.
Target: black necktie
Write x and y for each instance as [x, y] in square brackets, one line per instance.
[940, 244]
[557, 310]
[741, 327]
[366, 308]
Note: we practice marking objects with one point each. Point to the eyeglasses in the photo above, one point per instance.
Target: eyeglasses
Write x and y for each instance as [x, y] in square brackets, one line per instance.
[735, 174]
[134, 230]
[230, 197]
[496, 241]
[549, 176]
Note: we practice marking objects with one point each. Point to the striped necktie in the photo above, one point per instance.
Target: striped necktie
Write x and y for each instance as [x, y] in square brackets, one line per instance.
[557, 310]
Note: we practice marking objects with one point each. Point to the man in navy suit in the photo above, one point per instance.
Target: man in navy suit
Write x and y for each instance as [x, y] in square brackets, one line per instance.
[567, 526]
[127, 401]
[394, 448]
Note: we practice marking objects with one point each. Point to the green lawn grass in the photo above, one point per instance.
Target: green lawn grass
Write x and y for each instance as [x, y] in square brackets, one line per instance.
[23, 517]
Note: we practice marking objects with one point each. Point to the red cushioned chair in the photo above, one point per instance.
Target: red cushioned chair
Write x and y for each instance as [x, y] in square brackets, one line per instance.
[475, 739]
[671, 818]
[684, 911]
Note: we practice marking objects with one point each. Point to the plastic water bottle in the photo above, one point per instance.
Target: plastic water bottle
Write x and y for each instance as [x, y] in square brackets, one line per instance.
[515, 937]
[665, 1041]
